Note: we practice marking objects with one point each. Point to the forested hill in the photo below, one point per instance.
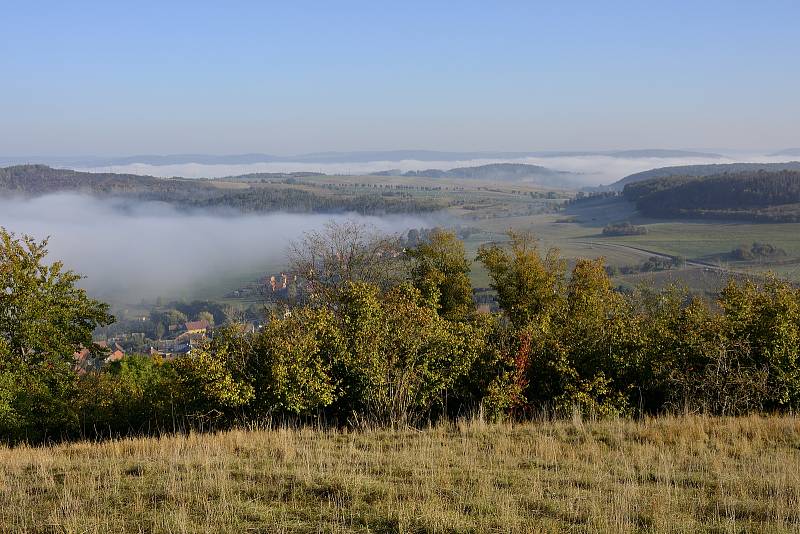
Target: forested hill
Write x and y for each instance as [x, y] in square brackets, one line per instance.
[184, 193]
[703, 170]
[34, 180]
[791, 152]
[769, 196]
[521, 172]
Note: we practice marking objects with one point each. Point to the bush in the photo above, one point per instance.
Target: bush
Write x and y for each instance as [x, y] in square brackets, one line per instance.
[398, 353]
[622, 229]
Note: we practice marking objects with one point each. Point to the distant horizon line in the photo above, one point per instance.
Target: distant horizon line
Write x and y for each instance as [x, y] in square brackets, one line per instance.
[556, 151]
[344, 156]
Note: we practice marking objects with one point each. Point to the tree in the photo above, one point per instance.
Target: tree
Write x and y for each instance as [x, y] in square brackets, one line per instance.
[346, 252]
[159, 330]
[289, 363]
[580, 356]
[206, 316]
[527, 285]
[767, 319]
[44, 317]
[439, 265]
[44, 320]
[208, 387]
[400, 356]
[134, 395]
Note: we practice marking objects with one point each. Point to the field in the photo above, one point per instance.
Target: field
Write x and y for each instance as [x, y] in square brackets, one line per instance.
[490, 209]
[577, 232]
[670, 474]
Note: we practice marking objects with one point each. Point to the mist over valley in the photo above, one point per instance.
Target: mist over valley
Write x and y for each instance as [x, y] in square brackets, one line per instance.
[129, 249]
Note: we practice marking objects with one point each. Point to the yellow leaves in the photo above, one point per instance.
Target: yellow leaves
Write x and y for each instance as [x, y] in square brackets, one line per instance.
[208, 383]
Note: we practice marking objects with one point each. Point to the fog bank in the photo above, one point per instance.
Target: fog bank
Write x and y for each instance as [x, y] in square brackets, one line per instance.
[133, 250]
[594, 169]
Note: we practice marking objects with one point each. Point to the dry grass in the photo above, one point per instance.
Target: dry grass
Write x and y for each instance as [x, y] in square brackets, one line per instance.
[683, 474]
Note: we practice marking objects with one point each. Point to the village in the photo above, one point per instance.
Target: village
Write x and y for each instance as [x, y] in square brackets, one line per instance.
[166, 331]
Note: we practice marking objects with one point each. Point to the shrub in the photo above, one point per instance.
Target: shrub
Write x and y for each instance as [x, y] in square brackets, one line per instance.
[622, 229]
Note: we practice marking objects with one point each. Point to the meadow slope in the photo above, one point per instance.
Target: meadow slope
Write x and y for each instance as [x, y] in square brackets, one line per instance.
[671, 474]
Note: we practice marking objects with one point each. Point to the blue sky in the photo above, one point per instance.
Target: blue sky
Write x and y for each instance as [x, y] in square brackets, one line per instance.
[104, 78]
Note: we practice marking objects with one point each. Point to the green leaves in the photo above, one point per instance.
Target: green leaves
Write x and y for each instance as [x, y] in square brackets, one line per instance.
[290, 363]
[207, 385]
[527, 284]
[44, 320]
[440, 272]
[400, 356]
[44, 317]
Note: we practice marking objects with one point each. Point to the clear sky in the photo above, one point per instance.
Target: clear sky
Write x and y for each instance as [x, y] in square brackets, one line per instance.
[80, 78]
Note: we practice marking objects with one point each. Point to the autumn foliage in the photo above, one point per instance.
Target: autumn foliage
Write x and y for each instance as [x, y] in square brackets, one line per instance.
[400, 343]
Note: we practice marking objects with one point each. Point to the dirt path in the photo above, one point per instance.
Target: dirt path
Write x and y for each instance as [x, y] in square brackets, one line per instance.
[651, 253]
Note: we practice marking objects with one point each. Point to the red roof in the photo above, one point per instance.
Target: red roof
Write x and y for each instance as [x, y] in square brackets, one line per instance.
[196, 325]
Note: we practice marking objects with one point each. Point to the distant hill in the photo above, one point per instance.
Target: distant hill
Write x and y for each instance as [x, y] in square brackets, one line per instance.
[184, 193]
[367, 156]
[254, 158]
[500, 172]
[661, 153]
[433, 155]
[790, 152]
[35, 180]
[364, 156]
[703, 170]
[269, 176]
[766, 196]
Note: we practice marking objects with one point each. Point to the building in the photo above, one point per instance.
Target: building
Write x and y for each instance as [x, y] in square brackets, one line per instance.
[196, 327]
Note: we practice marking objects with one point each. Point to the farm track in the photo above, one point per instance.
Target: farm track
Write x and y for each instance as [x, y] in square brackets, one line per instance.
[643, 252]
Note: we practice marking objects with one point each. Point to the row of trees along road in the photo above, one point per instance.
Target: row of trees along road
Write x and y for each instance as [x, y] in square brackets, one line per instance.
[390, 337]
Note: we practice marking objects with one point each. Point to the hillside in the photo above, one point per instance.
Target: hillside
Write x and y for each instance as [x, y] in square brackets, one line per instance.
[183, 193]
[37, 180]
[703, 170]
[791, 152]
[660, 153]
[518, 172]
[752, 195]
[686, 474]
[363, 156]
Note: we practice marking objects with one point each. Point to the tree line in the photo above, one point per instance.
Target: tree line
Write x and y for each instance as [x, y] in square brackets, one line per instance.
[184, 193]
[390, 336]
[769, 196]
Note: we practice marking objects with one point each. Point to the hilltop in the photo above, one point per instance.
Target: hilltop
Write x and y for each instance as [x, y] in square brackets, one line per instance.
[362, 156]
[702, 170]
[251, 195]
[791, 152]
[767, 196]
[519, 172]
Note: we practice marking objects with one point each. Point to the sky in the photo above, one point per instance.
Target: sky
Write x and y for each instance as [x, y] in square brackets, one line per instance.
[120, 78]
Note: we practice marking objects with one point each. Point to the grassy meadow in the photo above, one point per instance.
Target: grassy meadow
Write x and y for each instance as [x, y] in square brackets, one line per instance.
[669, 474]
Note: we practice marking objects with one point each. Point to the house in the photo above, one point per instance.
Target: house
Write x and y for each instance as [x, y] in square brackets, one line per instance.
[184, 343]
[86, 360]
[116, 354]
[196, 327]
[281, 282]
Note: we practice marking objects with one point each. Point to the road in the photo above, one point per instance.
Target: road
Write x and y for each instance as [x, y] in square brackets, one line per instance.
[651, 253]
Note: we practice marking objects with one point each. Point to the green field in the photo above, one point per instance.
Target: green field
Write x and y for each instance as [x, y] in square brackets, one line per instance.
[494, 208]
[705, 241]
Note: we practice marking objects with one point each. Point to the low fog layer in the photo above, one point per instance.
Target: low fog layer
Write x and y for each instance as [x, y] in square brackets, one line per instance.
[595, 169]
[129, 251]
